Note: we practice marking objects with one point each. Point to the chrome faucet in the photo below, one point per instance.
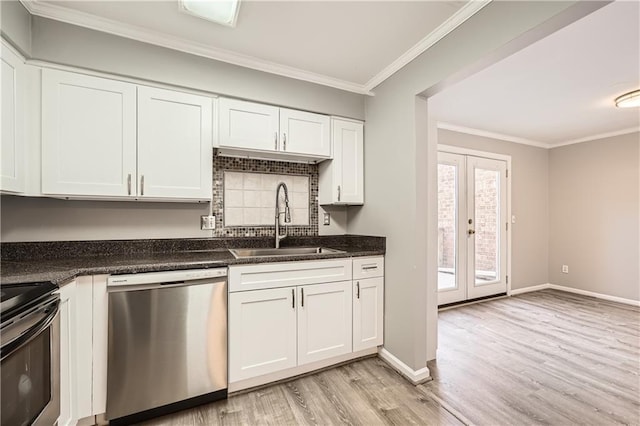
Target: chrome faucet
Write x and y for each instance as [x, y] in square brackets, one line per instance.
[287, 213]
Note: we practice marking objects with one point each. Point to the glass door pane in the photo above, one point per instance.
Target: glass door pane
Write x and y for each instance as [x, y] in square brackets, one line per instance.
[487, 231]
[452, 208]
[447, 219]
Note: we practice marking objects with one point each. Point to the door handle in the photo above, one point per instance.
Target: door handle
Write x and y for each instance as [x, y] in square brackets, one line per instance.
[129, 184]
[293, 298]
[358, 289]
[275, 139]
[142, 185]
[338, 192]
[471, 231]
[284, 141]
[302, 296]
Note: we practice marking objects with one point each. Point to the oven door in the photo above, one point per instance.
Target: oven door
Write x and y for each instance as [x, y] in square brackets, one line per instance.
[30, 367]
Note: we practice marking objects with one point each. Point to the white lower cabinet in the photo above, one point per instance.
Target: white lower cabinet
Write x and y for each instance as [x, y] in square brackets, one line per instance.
[324, 321]
[68, 349]
[80, 350]
[289, 318]
[263, 339]
[368, 305]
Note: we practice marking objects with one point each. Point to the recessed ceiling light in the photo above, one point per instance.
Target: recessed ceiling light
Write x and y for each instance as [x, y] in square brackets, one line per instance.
[631, 99]
[223, 12]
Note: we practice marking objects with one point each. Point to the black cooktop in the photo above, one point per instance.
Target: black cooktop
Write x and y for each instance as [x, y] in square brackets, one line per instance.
[14, 298]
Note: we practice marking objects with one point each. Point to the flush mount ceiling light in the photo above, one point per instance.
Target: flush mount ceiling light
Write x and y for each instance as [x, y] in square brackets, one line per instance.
[631, 99]
[223, 12]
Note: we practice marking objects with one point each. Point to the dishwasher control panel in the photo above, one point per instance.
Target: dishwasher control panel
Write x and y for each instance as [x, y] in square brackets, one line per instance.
[165, 277]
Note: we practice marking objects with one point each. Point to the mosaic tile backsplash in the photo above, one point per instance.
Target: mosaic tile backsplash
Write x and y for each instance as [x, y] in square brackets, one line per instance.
[244, 196]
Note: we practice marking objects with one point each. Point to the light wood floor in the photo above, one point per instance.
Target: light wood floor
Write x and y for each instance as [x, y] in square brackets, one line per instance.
[547, 357]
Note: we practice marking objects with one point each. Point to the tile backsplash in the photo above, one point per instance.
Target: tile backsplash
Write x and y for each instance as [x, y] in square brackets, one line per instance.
[250, 197]
[244, 196]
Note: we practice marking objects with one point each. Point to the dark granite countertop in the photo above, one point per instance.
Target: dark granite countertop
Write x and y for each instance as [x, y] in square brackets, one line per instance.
[59, 262]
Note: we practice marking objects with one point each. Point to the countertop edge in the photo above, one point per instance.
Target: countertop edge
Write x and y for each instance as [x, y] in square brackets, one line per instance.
[61, 277]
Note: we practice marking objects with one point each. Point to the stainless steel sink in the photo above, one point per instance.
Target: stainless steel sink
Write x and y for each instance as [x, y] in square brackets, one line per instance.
[287, 251]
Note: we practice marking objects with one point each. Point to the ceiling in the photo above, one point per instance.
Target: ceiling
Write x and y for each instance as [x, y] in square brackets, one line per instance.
[351, 45]
[558, 90]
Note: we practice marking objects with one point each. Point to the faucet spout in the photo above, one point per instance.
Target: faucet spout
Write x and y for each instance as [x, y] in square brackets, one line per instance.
[286, 213]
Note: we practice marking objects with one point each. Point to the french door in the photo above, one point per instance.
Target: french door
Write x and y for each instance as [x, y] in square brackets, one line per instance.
[472, 227]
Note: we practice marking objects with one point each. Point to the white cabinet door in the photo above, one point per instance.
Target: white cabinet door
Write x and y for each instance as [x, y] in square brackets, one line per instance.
[68, 355]
[100, 344]
[341, 180]
[248, 125]
[174, 144]
[262, 332]
[324, 321]
[368, 296]
[83, 306]
[88, 135]
[348, 148]
[305, 133]
[13, 95]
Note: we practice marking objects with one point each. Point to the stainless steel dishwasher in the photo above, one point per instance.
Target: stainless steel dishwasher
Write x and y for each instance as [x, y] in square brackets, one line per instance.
[167, 342]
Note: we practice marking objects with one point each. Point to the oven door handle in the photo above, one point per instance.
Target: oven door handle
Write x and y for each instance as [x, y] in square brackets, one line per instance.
[31, 332]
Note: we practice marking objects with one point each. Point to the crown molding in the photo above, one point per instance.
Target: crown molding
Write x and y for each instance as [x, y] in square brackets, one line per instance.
[523, 141]
[134, 32]
[454, 21]
[492, 135]
[599, 136]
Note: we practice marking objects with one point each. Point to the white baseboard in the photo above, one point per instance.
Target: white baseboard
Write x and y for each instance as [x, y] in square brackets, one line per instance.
[597, 295]
[513, 292]
[575, 291]
[414, 376]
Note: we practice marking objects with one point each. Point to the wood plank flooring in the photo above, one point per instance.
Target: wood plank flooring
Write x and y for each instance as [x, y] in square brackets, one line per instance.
[547, 357]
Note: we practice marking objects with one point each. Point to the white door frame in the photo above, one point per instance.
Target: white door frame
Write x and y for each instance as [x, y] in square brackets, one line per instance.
[493, 156]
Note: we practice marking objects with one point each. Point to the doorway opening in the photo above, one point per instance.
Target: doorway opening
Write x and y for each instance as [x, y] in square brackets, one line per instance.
[473, 225]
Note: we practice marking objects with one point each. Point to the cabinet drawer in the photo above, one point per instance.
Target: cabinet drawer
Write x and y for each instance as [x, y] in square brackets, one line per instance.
[368, 267]
[274, 275]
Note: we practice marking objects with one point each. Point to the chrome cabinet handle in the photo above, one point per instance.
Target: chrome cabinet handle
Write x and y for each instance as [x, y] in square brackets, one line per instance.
[275, 139]
[338, 192]
[129, 184]
[284, 141]
[358, 289]
[302, 296]
[142, 185]
[293, 298]
[369, 267]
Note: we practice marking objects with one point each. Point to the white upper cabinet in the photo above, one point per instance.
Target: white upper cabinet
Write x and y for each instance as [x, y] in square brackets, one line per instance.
[305, 133]
[174, 144]
[107, 139]
[261, 131]
[13, 95]
[341, 180]
[88, 135]
[248, 125]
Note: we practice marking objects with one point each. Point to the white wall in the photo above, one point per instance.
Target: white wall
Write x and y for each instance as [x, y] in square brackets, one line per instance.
[594, 216]
[46, 219]
[530, 203]
[396, 189]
